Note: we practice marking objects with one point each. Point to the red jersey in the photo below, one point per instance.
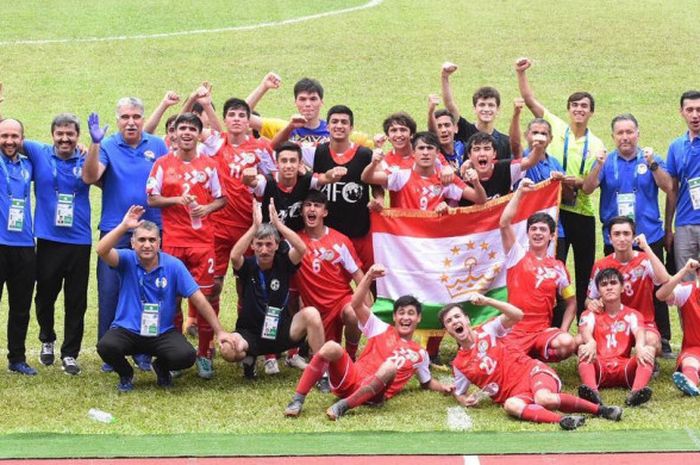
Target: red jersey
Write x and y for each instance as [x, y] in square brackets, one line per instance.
[232, 160]
[687, 297]
[490, 362]
[173, 177]
[614, 336]
[414, 191]
[638, 286]
[394, 162]
[533, 284]
[326, 269]
[384, 343]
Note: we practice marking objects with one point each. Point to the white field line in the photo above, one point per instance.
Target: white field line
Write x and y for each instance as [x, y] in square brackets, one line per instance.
[693, 437]
[165, 35]
[471, 460]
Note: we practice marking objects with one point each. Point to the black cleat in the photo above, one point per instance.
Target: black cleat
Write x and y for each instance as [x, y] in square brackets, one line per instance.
[294, 407]
[610, 412]
[586, 392]
[337, 410]
[324, 385]
[249, 369]
[639, 397]
[571, 422]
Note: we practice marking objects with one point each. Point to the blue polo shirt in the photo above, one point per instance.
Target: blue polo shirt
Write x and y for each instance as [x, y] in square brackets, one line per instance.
[683, 161]
[18, 176]
[305, 136]
[542, 171]
[631, 177]
[54, 175]
[124, 179]
[163, 285]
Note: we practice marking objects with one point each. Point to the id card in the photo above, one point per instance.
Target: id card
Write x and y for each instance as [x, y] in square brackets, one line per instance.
[150, 319]
[694, 189]
[15, 217]
[625, 205]
[64, 211]
[272, 320]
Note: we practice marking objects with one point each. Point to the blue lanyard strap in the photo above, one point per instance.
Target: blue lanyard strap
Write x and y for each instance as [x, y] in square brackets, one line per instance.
[263, 289]
[54, 173]
[24, 173]
[583, 155]
[159, 283]
[616, 169]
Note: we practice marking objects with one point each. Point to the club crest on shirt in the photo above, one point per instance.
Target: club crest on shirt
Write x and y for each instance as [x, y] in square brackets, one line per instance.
[149, 155]
[275, 284]
[161, 282]
[482, 346]
[618, 327]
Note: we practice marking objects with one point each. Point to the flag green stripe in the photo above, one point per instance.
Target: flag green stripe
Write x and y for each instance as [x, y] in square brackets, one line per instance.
[383, 308]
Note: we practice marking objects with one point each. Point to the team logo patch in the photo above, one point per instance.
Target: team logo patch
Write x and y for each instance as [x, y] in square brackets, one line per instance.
[352, 192]
[642, 169]
[483, 346]
[248, 158]
[161, 282]
[619, 327]
[275, 284]
[77, 171]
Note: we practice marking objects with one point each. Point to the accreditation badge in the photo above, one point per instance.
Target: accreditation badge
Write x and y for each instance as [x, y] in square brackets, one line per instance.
[694, 189]
[150, 319]
[64, 211]
[625, 205]
[272, 320]
[15, 217]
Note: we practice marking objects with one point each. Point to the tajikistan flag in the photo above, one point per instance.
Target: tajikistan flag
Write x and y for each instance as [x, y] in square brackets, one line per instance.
[441, 259]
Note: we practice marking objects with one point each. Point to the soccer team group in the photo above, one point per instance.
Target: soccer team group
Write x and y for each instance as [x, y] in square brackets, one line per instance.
[287, 204]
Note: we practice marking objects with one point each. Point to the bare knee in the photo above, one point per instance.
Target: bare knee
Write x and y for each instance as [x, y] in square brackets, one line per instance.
[331, 351]
[547, 399]
[514, 406]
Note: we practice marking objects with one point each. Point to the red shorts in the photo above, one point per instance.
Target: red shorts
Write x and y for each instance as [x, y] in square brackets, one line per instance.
[365, 251]
[333, 320]
[540, 377]
[198, 260]
[222, 249]
[535, 344]
[689, 352]
[345, 378]
[615, 372]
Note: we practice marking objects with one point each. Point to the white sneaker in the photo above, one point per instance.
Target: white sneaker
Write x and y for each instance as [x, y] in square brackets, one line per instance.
[271, 366]
[296, 361]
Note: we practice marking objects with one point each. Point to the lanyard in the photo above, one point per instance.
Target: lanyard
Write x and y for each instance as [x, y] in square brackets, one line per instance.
[686, 157]
[585, 150]
[263, 288]
[616, 169]
[25, 175]
[158, 283]
[54, 173]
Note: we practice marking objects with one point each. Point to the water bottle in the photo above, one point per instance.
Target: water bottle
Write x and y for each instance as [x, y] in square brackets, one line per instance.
[196, 220]
[99, 415]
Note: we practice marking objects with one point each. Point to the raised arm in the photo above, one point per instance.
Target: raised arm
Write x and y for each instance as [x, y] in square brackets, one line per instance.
[505, 223]
[93, 167]
[205, 100]
[362, 293]
[270, 81]
[295, 122]
[298, 247]
[666, 290]
[447, 97]
[151, 125]
[514, 130]
[521, 65]
[474, 191]
[373, 173]
[241, 247]
[433, 101]
[592, 181]
[510, 313]
[106, 246]
[661, 177]
[660, 271]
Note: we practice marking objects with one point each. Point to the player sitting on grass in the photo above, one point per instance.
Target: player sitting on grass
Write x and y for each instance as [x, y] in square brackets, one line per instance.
[687, 297]
[386, 364]
[527, 388]
[608, 334]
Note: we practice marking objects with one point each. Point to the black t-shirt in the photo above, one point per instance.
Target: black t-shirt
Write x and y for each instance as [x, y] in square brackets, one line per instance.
[465, 130]
[500, 182]
[263, 288]
[347, 198]
[288, 204]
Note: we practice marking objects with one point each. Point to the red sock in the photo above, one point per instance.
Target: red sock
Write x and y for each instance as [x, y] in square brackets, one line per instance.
[313, 372]
[586, 372]
[351, 349]
[369, 388]
[292, 352]
[433, 345]
[538, 414]
[642, 376]
[691, 373]
[571, 404]
[270, 357]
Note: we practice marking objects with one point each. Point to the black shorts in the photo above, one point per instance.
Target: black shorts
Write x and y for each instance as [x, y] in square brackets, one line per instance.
[259, 346]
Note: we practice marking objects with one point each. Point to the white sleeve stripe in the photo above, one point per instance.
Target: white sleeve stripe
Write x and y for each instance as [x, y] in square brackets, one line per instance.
[346, 257]
[259, 190]
[158, 185]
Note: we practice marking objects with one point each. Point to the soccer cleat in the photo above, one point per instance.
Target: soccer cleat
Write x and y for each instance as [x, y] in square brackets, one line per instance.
[70, 366]
[296, 361]
[125, 384]
[271, 366]
[163, 377]
[571, 422]
[249, 369]
[639, 397]
[337, 410]
[610, 412]
[685, 385]
[106, 368]
[205, 368]
[46, 356]
[143, 362]
[324, 385]
[21, 368]
[294, 407]
[588, 393]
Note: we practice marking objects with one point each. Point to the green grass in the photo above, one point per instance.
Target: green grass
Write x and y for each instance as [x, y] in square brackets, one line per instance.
[633, 56]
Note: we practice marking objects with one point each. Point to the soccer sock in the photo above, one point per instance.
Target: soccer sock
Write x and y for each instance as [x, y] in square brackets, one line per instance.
[313, 372]
[292, 352]
[586, 372]
[538, 414]
[571, 404]
[351, 349]
[433, 345]
[691, 373]
[206, 335]
[642, 376]
[270, 357]
[369, 388]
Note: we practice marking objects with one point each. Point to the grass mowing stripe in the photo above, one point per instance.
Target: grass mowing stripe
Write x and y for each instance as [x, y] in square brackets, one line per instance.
[375, 443]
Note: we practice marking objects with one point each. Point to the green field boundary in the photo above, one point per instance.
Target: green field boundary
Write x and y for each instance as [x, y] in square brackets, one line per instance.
[54, 445]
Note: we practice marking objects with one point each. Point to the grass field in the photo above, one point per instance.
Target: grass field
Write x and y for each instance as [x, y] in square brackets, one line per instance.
[633, 56]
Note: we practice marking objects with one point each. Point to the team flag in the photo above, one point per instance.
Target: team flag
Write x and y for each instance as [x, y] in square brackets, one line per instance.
[441, 259]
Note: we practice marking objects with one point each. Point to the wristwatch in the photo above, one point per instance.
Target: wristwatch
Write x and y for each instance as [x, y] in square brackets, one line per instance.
[654, 166]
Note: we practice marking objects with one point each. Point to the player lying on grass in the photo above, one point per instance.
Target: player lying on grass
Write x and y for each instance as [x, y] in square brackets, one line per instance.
[386, 364]
[687, 297]
[527, 388]
[608, 334]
